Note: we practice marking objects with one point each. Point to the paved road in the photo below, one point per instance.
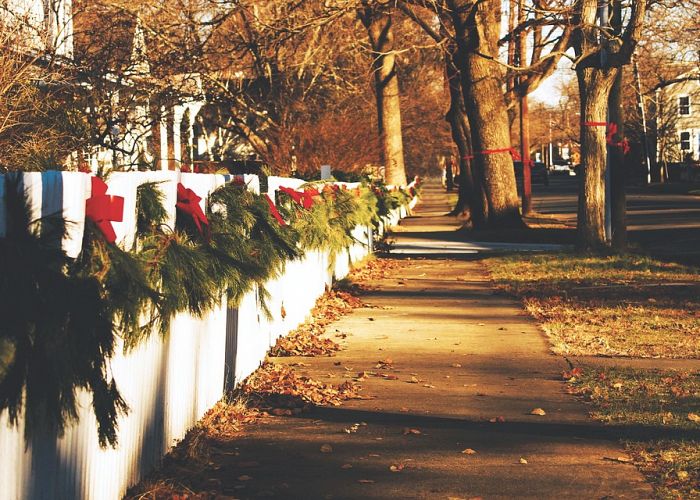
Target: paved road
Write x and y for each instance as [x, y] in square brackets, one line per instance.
[456, 355]
[657, 221]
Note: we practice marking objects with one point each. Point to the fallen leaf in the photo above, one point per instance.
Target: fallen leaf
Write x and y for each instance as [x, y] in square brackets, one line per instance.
[409, 430]
[456, 365]
[498, 420]
[469, 451]
[326, 448]
[413, 380]
[621, 459]
[538, 411]
[244, 477]
[396, 468]
[365, 481]
[682, 475]
[617, 385]
[522, 460]
[694, 417]
[346, 466]
[429, 386]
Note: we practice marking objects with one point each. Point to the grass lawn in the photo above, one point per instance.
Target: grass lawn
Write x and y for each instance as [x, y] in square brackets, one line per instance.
[658, 400]
[614, 306]
[625, 306]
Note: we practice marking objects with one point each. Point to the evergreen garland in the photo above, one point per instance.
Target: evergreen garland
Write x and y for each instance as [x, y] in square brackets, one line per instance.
[59, 328]
[61, 314]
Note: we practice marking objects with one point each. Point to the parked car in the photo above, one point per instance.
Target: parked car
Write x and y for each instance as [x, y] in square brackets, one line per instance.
[562, 167]
[538, 172]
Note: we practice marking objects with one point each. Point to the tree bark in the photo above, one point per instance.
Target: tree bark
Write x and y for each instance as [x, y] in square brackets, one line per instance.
[381, 36]
[617, 154]
[600, 55]
[469, 200]
[594, 88]
[476, 28]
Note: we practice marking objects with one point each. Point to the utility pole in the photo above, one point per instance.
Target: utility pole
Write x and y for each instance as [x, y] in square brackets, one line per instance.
[645, 140]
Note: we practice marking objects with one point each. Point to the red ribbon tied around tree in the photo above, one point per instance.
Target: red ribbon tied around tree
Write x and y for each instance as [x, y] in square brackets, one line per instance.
[273, 210]
[611, 130]
[513, 153]
[104, 209]
[188, 202]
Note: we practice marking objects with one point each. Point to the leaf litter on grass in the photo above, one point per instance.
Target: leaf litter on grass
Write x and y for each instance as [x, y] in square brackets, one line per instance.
[665, 399]
[622, 305]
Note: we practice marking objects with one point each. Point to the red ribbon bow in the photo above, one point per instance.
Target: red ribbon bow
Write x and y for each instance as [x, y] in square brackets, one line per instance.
[623, 143]
[610, 132]
[302, 198]
[104, 209]
[273, 210]
[188, 202]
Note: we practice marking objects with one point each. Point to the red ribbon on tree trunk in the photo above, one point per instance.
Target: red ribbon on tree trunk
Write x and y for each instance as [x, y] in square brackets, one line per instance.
[188, 202]
[104, 209]
[610, 132]
[273, 210]
[513, 153]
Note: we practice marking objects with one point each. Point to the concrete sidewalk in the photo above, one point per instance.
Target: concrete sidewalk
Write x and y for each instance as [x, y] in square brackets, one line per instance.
[460, 356]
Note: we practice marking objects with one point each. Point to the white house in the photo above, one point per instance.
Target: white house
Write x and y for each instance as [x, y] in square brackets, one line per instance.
[679, 119]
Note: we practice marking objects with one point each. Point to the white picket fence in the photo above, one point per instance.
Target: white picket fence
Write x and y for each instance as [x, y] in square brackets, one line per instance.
[168, 382]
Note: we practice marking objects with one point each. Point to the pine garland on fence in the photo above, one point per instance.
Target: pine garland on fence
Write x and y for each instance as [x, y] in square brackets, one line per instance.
[61, 315]
[57, 327]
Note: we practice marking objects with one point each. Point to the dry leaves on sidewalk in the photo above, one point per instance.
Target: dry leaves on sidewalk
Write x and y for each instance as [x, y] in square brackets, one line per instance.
[307, 339]
[280, 387]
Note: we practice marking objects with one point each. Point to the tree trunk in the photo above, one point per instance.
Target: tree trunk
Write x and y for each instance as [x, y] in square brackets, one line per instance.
[523, 90]
[381, 36]
[594, 89]
[525, 153]
[476, 28]
[469, 201]
[617, 154]
[617, 173]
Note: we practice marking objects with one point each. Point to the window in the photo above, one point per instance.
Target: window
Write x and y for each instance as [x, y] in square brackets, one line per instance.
[684, 105]
[685, 141]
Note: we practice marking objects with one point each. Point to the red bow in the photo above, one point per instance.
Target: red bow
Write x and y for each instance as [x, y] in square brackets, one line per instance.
[611, 130]
[303, 198]
[102, 209]
[273, 210]
[623, 143]
[188, 202]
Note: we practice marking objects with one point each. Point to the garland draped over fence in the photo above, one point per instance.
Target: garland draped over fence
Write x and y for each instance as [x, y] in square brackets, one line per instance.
[61, 314]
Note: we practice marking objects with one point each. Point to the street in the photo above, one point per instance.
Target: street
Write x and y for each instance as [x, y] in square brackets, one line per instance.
[664, 224]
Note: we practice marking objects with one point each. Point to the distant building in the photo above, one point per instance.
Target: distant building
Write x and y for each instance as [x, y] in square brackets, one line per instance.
[678, 136]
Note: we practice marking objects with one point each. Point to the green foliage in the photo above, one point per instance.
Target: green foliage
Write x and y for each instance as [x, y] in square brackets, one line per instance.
[61, 315]
[389, 199]
[58, 327]
[150, 212]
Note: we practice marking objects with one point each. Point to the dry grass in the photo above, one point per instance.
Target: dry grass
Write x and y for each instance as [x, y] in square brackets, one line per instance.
[657, 400]
[614, 306]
